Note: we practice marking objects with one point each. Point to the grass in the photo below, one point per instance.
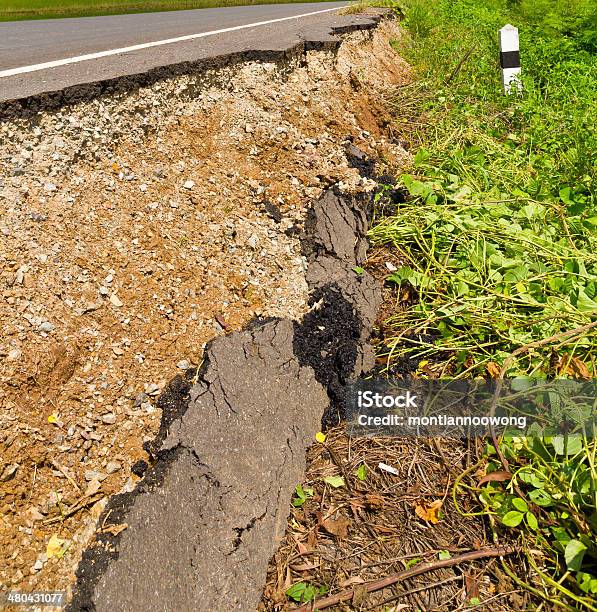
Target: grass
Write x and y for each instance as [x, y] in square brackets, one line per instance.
[17, 10]
[498, 234]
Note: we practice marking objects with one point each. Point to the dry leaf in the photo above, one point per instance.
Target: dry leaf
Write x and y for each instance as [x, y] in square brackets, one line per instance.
[303, 567]
[493, 369]
[337, 527]
[55, 545]
[360, 596]
[495, 477]
[472, 588]
[573, 366]
[374, 501]
[429, 512]
[312, 539]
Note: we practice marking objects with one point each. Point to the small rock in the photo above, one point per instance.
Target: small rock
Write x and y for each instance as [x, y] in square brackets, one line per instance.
[37, 566]
[9, 472]
[143, 187]
[189, 184]
[152, 389]
[141, 399]
[252, 241]
[50, 187]
[116, 301]
[94, 475]
[46, 326]
[14, 355]
[35, 514]
[184, 364]
[112, 466]
[109, 419]
[391, 267]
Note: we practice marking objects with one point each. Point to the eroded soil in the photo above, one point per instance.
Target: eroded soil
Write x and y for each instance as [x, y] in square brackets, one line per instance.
[133, 231]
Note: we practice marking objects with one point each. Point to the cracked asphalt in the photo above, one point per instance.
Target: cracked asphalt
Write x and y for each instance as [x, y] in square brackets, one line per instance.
[27, 43]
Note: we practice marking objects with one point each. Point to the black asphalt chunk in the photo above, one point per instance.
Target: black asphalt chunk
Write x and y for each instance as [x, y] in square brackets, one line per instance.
[201, 539]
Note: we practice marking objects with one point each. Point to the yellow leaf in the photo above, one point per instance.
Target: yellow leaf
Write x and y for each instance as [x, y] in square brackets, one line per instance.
[53, 419]
[429, 512]
[493, 369]
[423, 363]
[320, 437]
[115, 167]
[54, 546]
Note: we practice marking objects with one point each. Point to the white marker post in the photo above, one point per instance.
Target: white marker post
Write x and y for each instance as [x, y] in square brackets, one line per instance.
[510, 59]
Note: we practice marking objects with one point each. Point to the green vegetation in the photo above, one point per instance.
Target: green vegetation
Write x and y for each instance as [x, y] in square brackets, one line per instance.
[498, 233]
[13, 10]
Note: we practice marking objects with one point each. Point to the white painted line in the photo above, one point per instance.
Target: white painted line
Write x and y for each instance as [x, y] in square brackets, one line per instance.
[157, 43]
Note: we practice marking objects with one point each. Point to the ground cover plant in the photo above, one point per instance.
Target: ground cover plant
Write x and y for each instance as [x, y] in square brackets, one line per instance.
[497, 234]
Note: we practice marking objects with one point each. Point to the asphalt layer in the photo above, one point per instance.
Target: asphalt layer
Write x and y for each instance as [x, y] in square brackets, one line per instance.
[204, 522]
[27, 43]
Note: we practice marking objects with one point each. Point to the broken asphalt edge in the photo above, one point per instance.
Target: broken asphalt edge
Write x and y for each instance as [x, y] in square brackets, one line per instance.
[197, 532]
[27, 107]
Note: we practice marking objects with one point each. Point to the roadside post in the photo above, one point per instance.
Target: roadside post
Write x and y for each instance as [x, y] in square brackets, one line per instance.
[510, 59]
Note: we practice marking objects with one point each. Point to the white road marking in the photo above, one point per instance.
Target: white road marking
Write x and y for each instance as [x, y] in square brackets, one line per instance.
[157, 43]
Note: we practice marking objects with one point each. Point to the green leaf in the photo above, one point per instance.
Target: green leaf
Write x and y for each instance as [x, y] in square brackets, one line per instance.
[444, 554]
[584, 303]
[412, 562]
[574, 553]
[541, 498]
[362, 472]
[422, 156]
[358, 270]
[296, 591]
[569, 445]
[512, 518]
[587, 582]
[531, 520]
[520, 504]
[302, 495]
[334, 481]
[304, 592]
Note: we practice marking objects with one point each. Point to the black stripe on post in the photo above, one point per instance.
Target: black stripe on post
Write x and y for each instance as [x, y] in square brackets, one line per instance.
[510, 59]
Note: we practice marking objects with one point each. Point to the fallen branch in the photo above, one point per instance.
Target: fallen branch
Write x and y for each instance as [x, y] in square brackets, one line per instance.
[376, 585]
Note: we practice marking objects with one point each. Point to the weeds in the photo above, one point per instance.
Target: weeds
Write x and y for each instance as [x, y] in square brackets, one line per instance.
[498, 235]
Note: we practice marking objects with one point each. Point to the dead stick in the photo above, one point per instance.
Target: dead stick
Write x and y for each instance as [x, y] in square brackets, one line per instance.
[376, 585]
[460, 65]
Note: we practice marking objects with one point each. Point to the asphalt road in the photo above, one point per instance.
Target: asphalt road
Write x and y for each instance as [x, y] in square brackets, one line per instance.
[25, 45]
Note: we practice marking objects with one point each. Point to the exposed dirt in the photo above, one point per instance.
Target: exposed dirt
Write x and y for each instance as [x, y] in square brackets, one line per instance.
[134, 230]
